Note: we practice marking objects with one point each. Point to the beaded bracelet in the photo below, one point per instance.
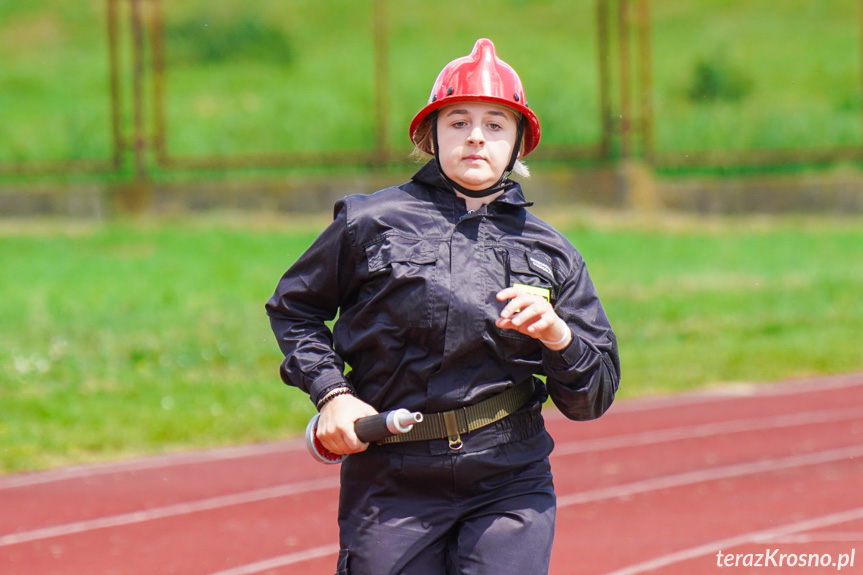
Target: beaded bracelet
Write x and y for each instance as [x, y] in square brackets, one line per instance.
[333, 394]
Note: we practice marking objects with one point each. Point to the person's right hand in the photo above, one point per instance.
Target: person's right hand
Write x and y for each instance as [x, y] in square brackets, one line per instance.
[336, 424]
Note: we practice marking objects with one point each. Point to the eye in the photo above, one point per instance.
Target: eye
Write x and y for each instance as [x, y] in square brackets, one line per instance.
[459, 124]
[495, 126]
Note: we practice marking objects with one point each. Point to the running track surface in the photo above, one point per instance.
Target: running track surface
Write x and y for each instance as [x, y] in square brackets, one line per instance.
[658, 485]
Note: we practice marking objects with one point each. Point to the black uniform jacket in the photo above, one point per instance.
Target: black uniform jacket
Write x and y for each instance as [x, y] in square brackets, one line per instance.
[413, 277]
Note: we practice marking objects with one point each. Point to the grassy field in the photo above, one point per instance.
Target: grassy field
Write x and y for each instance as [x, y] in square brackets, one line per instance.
[298, 75]
[137, 337]
[732, 75]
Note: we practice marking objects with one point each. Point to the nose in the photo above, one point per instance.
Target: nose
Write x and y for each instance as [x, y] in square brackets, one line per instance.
[476, 136]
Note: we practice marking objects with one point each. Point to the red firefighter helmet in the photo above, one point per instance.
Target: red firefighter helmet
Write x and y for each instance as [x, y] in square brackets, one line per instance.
[480, 77]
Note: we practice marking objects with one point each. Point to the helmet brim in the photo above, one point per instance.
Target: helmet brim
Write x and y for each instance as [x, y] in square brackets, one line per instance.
[531, 133]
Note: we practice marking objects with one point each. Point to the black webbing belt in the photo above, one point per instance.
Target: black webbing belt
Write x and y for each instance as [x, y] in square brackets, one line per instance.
[451, 424]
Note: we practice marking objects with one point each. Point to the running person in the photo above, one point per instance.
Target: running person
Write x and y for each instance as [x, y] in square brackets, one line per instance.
[451, 297]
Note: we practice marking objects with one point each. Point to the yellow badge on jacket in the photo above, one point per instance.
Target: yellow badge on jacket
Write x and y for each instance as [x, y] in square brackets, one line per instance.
[542, 292]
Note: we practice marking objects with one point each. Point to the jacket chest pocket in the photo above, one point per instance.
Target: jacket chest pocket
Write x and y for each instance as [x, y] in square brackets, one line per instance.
[531, 272]
[401, 283]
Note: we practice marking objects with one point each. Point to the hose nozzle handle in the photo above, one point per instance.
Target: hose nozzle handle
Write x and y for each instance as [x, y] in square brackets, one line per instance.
[368, 429]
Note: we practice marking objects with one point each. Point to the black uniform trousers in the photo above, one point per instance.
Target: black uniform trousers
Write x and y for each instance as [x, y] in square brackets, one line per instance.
[420, 508]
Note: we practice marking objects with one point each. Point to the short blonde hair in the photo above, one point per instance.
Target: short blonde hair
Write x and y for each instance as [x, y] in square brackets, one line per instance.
[424, 145]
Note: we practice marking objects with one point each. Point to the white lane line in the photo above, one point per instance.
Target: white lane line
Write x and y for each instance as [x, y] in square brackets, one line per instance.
[705, 475]
[728, 392]
[619, 491]
[833, 537]
[708, 429]
[152, 462]
[170, 511]
[282, 560]
[764, 536]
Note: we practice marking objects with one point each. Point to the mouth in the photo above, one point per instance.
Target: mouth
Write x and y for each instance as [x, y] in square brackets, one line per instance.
[474, 158]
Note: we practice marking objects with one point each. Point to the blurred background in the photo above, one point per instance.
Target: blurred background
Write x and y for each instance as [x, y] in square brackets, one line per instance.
[162, 163]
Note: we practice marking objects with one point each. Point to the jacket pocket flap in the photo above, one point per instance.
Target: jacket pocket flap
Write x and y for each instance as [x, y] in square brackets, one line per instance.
[534, 263]
[400, 249]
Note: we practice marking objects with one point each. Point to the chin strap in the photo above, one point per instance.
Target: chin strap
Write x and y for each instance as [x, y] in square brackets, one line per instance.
[504, 177]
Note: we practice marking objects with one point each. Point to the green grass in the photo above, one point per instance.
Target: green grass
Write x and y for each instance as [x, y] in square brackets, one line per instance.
[129, 338]
[298, 75]
[799, 60]
[138, 337]
[739, 305]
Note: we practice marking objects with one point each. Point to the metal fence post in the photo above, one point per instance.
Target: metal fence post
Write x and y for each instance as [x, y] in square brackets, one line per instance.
[114, 72]
[136, 196]
[860, 38]
[380, 35]
[157, 33]
[604, 51]
[139, 137]
[625, 114]
[645, 79]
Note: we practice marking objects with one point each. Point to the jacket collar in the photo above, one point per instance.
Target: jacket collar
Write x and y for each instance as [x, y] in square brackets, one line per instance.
[430, 176]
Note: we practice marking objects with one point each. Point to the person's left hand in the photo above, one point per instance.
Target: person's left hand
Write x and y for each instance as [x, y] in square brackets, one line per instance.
[533, 316]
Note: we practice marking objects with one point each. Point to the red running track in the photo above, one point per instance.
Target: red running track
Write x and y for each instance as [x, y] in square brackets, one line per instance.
[769, 474]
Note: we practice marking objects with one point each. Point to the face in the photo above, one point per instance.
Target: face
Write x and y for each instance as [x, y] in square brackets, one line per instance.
[476, 141]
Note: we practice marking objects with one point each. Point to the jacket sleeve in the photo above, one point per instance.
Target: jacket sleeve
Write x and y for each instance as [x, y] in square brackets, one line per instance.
[307, 296]
[583, 378]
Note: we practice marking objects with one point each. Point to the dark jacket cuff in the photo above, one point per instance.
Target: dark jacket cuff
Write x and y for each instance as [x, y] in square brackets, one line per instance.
[325, 384]
[563, 359]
